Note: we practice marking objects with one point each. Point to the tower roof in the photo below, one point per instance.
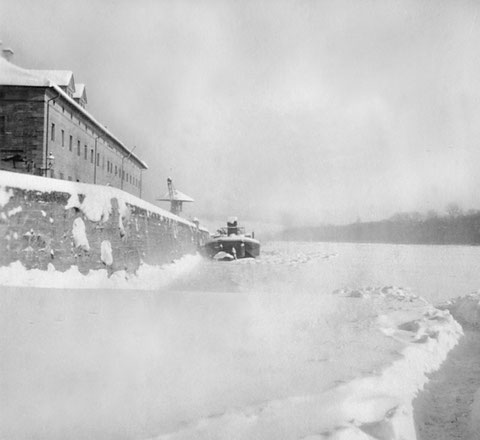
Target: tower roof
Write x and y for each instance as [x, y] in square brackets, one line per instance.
[80, 92]
[177, 196]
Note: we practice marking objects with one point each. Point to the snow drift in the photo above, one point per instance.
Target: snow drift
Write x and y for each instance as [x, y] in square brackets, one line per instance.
[172, 353]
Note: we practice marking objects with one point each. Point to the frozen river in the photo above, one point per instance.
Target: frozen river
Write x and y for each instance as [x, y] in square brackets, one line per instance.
[312, 340]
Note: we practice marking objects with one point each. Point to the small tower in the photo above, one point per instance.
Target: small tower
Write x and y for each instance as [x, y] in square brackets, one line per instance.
[175, 197]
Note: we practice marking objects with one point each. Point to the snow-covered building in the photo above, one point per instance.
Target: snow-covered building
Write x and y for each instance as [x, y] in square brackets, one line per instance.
[46, 130]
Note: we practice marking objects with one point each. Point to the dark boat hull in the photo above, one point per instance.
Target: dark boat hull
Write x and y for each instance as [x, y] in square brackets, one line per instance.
[237, 246]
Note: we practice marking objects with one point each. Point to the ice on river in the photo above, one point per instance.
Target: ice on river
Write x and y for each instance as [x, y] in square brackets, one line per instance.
[311, 341]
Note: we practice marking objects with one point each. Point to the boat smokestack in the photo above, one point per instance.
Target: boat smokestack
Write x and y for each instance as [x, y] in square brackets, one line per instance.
[232, 226]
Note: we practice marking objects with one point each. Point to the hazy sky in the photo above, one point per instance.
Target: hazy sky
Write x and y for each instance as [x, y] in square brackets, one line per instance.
[316, 111]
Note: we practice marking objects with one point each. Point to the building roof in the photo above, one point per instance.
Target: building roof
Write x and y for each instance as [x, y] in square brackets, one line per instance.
[80, 92]
[12, 75]
[63, 78]
[177, 196]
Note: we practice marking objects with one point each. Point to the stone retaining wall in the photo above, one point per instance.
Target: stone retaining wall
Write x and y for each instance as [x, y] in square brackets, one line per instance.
[46, 221]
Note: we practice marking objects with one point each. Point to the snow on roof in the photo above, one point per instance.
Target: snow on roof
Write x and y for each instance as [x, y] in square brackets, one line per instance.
[12, 75]
[60, 77]
[177, 196]
[80, 92]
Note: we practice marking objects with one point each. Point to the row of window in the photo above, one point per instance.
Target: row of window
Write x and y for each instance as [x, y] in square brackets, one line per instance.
[111, 168]
[81, 103]
[132, 180]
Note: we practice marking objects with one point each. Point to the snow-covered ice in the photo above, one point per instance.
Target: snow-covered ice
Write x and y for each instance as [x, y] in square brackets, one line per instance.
[311, 341]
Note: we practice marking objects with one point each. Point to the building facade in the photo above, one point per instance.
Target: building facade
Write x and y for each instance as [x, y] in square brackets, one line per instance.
[46, 130]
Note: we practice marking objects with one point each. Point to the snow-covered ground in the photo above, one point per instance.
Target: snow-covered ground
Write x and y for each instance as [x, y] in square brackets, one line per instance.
[311, 341]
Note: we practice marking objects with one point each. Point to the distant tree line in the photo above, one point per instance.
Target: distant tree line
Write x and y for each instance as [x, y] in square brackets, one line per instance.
[452, 227]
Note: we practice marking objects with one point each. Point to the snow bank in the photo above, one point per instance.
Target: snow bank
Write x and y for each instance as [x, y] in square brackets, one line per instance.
[147, 277]
[465, 309]
[378, 406]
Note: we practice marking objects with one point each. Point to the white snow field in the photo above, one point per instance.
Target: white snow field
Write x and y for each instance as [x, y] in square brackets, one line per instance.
[311, 341]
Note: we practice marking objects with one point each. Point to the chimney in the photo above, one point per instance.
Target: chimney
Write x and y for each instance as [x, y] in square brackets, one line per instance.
[7, 53]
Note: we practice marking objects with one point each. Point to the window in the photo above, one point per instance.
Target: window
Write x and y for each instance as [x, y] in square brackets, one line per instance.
[52, 131]
[78, 148]
[85, 154]
[91, 156]
[108, 166]
[63, 138]
[98, 159]
[115, 170]
[3, 120]
[61, 176]
[70, 143]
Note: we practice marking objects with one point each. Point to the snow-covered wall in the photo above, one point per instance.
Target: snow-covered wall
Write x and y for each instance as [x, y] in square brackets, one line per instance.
[67, 223]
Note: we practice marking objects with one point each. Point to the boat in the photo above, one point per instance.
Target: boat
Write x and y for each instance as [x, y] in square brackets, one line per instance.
[232, 243]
